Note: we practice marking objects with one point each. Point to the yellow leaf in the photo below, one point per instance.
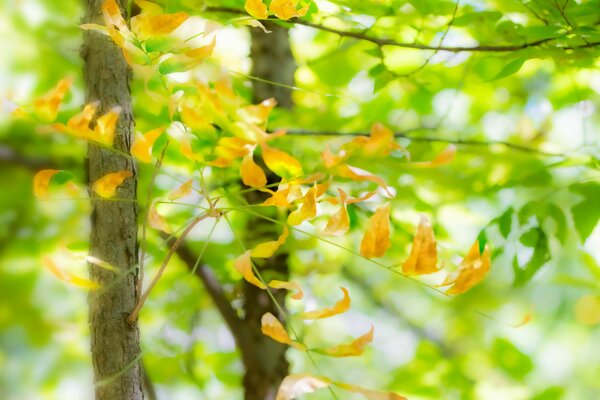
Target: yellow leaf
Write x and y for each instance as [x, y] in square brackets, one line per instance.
[376, 239]
[142, 145]
[256, 8]
[352, 349]
[286, 9]
[275, 284]
[281, 162]
[252, 174]
[244, 266]
[105, 127]
[106, 186]
[267, 249]
[81, 121]
[181, 191]
[339, 223]
[66, 276]
[157, 221]
[527, 319]
[46, 107]
[259, 114]
[278, 198]
[308, 209]
[153, 25]
[338, 308]
[423, 255]
[445, 157]
[587, 310]
[380, 143]
[41, 180]
[473, 268]
[296, 385]
[357, 174]
[272, 328]
[202, 52]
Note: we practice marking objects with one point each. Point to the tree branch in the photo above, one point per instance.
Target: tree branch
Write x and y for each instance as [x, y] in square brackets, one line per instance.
[431, 139]
[419, 46]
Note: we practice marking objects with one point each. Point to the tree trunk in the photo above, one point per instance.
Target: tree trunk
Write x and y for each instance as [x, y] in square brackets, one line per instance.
[272, 60]
[115, 343]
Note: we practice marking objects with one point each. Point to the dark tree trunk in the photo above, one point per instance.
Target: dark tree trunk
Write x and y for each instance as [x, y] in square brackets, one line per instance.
[272, 60]
[115, 343]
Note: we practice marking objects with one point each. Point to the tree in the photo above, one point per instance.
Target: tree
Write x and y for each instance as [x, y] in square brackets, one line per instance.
[427, 159]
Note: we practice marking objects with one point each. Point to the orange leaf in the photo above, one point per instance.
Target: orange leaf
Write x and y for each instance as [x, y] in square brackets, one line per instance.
[142, 145]
[281, 162]
[66, 276]
[272, 328]
[202, 52]
[308, 209]
[340, 307]
[181, 191]
[473, 268]
[41, 180]
[256, 8]
[275, 284]
[526, 319]
[376, 239]
[286, 9]
[357, 174]
[352, 349]
[46, 107]
[267, 249]
[244, 266]
[157, 221]
[81, 121]
[259, 114]
[423, 255]
[252, 174]
[445, 157]
[339, 223]
[380, 143]
[106, 186]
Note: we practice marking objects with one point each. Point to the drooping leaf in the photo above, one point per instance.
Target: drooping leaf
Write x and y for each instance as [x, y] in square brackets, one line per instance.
[423, 255]
[157, 221]
[142, 145]
[41, 180]
[472, 270]
[357, 174]
[339, 307]
[286, 9]
[352, 349]
[244, 266]
[292, 286]
[586, 213]
[339, 223]
[536, 238]
[376, 239]
[380, 143]
[308, 209]
[67, 277]
[267, 249]
[272, 328]
[444, 158]
[281, 162]
[46, 107]
[257, 9]
[183, 190]
[509, 69]
[252, 175]
[106, 186]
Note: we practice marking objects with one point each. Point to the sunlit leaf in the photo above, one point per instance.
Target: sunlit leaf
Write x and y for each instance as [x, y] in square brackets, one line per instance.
[256, 8]
[308, 209]
[157, 221]
[357, 174]
[340, 307]
[67, 277]
[352, 349]
[286, 9]
[281, 162]
[272, 328]
[41, 180]
[293, 286]
[46, 107]
[380, 143]
[243, 264]
[152, 25]
[444, 158]
[376, 239]
[339, 223]
[182, 191]
[252, 175]
[106, 186]
[142, 145]
[473, 268]
[423, 255]
[267, 249]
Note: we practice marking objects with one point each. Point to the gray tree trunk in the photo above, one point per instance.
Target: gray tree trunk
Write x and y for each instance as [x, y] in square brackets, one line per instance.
[115, 343]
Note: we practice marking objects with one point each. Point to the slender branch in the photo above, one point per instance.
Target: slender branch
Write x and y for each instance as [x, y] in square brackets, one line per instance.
[431, 139]
[419, 46]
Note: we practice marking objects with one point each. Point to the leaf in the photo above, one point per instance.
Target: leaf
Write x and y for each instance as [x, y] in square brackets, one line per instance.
[41, 180]
[537, 239]
[423, 255]
[340, 307]
[339, 223]
[380, 143]
[244, 266]
[352, 349]
[181, 191]
[586, 213]
[505, 221]
[106, 186]
[296, 385]
[157, 221]
[473, 268]
[105, 126]
[153, 25]
[293, 286]
[376, 239]
[46, 107]
[66, 276]
[271, 327]
[142, 145]
[286, 9]
[509, 69]
[444, 158]
[281, 162]
[267, 249]
[252, 175]
[357, 174]
[257, 9]
[308, 209]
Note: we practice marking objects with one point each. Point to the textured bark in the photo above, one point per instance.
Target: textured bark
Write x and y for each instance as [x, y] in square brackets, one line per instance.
[115, 343]
[266, 365]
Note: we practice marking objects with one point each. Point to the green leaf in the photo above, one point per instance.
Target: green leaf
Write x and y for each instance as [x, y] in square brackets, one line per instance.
[509, 69]
[587, 212]
[510, 359]
[505, 222]
[541, 255]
